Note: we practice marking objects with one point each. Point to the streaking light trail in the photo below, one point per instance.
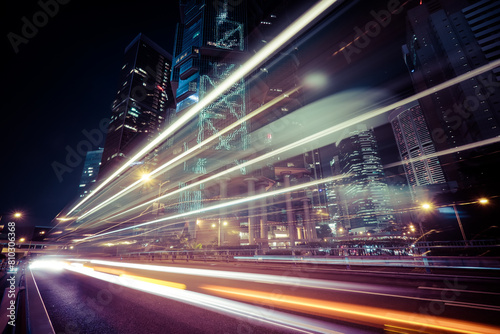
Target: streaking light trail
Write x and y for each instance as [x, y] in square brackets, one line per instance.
[218, 206]
[343, 125]
[361, 314]
[283, 320]
[113, 272]
[446, 152]
[196, 148]
[270, 48]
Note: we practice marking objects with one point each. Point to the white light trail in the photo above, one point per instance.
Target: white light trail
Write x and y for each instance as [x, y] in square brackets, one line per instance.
[112, 198]
[216, 304]
[269, 49]
[303, 282]
[331, 130]
[366, 315]
[258, 278]
[197, 147]
[446, 152]
[222, 205]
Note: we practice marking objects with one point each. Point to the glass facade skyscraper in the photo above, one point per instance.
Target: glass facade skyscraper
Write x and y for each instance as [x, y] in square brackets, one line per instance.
[414, 143]
[210, 45]
[143, 101]
[364, 193]
[90, 171]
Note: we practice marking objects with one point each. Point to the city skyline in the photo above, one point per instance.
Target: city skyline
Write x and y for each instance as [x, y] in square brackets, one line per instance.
[223, 166]
[73, 154]
[59, 176]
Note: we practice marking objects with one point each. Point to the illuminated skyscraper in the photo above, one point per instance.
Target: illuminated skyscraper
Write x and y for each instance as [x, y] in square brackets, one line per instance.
[209, 46]
[414, 142]
[364, 192]
[90, 171]
[143, 101]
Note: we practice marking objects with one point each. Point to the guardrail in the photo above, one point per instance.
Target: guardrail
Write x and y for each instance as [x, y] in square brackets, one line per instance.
[410, 256]
[190, 255]
[475, 263]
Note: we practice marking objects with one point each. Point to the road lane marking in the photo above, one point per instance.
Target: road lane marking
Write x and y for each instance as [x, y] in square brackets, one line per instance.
[458, 290]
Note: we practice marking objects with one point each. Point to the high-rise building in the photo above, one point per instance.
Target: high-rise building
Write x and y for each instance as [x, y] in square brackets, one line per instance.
[278, 75]
[444, 40]
[212, 41]
[363, 189]
[143, 101]
[421, 166]
[90, 171]
[482, 18]
[210, 44]
[336, 205]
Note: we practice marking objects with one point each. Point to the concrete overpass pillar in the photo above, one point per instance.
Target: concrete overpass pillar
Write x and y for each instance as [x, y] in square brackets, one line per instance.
[251, 210]
[289, 212]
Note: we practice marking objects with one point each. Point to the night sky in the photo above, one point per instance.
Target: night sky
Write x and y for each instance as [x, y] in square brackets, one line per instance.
[63, 80]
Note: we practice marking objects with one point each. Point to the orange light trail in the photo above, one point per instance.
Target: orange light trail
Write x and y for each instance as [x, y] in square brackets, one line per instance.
[360, 314]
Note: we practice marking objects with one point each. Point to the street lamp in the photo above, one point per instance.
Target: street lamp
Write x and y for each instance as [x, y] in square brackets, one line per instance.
[483, 201]
[146, 177]
[426, 206]
[16, 214]
[454, 206]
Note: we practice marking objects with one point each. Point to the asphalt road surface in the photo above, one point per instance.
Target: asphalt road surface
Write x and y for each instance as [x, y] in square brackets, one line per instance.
[119, 297]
